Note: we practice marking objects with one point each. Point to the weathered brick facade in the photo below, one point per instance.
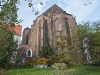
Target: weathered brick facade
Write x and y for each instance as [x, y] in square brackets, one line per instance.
[46, 24]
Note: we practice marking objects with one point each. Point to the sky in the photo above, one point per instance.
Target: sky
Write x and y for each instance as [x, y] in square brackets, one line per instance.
[82, 10]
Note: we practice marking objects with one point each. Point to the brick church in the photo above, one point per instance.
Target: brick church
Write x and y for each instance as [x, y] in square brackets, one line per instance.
[49, 23]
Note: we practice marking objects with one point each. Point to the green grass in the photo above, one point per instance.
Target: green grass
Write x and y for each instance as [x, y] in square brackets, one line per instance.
[26, 71]
[83, 70]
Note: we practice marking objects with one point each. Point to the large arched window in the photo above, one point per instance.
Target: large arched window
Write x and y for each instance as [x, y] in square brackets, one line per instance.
[46, 28]
[29, 53]
[68, 32]
[67, 26]
[57, 24]
[45, 32]
[57, 29]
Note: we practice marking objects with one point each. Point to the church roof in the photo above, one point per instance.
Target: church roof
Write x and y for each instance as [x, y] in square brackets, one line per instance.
[53, 10]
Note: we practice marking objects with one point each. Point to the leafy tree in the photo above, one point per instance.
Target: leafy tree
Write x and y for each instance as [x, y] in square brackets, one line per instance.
[70, 46]
[46, 49]
[7, 50]
[8, 18]
[8, 13]
[83, 32]
[75, 49]
[94, 42]
[91, 31]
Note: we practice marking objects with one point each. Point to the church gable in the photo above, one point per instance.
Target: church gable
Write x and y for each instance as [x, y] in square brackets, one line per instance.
[54, 10]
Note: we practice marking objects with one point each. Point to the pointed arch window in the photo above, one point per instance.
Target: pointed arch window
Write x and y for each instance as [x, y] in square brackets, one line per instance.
[29, 53]
[57, 27]
[57, 24]
[39, 34]
[46, 28]
[45, 32]
[68, 32]
[67, 26]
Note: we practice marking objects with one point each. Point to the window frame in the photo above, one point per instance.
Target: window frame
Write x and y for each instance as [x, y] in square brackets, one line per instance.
[30, 53]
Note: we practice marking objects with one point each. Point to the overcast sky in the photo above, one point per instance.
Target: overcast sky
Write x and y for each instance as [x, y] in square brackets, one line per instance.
[89, 12]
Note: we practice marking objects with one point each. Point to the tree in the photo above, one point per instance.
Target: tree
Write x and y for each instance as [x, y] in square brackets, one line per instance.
[83, 32]
[88, 2]
[8, 18]
[89, 35]
[46, 49]
[70, 47]
[7, 49]
[94, 43]
[8, 13]
[30, 4]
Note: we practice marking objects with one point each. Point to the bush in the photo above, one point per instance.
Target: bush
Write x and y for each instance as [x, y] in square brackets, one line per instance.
[57, 59]
[66, 60]
[42, 61]
[59, 66]
[53, 59]
[30, 63]
[62, 58]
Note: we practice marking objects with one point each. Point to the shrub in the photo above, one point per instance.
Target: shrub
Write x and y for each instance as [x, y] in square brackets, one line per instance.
[59, 66]
[60, 59]
[53, 59]
[30, 63]
[42, 61]
[66, 60]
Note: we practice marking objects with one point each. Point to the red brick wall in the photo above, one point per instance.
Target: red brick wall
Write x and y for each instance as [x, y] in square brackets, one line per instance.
[35, 35]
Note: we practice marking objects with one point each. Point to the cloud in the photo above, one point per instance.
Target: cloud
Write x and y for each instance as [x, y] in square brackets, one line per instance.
[77, 8]
[74, 7]
[36, 5]
[40, 7]
[26, 8]
[26, 23]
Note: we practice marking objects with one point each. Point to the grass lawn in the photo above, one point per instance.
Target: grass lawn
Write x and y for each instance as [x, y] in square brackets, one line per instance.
[84, 70]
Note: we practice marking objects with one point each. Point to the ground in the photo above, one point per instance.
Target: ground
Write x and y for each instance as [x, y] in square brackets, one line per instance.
[83, 70]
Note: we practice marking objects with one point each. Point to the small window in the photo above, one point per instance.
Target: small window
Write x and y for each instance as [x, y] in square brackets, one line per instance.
[29, 53]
